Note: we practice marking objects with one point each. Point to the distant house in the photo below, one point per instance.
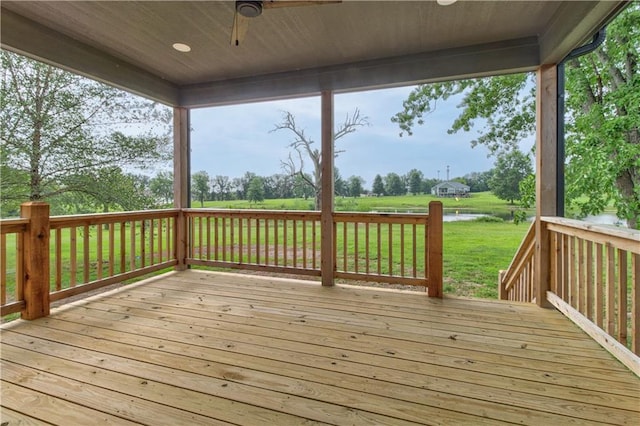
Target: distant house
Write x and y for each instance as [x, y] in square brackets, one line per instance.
[450, 189]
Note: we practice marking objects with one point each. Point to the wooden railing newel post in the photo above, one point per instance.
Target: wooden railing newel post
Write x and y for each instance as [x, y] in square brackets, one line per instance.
[501, 285]
[36, 260]
[433, 250]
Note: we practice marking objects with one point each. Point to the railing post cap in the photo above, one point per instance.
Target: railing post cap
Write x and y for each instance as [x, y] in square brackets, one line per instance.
[34, 203]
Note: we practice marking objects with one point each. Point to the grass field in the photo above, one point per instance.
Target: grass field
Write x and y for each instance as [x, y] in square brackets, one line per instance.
[482, 202]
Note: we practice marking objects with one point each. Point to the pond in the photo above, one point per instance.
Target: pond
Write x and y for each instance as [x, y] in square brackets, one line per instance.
[453, 215]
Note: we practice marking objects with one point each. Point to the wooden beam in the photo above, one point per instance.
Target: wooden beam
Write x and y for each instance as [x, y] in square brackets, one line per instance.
[546, 173]
[181, 176]
[36, 260]
[509, 56]
[327, 254]
[26, 37]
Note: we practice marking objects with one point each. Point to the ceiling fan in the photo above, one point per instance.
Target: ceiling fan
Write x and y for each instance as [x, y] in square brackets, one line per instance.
[247, 9]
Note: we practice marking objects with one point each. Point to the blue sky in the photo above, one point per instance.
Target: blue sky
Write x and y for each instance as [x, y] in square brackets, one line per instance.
[234, 139]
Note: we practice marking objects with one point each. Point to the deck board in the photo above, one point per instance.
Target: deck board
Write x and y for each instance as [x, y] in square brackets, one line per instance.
[213, 348]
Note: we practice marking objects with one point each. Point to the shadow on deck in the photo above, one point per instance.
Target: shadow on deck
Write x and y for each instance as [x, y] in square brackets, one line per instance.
[214, 348]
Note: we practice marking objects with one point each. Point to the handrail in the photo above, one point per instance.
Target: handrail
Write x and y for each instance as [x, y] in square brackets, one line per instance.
[594, 279]
[522, 259]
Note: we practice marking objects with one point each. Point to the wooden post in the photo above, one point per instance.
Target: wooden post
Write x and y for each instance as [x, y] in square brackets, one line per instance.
[181, 153]
[434, 249]
[36, 260]
[327, 251]
[502, 291]
[546, 175]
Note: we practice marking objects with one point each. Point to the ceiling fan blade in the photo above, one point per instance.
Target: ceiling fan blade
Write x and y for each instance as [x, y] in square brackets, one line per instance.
[274, 4]
[239, 30]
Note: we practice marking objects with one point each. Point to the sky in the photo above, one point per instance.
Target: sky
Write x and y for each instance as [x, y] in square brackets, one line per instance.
[232, 140]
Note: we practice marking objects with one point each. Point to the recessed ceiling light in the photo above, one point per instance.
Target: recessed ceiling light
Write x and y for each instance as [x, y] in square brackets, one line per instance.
[446, 2]
[181, 47]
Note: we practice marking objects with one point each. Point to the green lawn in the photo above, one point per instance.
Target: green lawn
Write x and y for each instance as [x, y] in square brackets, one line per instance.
[482, 202]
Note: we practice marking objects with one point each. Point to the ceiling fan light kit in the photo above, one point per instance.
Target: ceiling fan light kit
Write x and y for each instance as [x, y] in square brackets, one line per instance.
[249, 9]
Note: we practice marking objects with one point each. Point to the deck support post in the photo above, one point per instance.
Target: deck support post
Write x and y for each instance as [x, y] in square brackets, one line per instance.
[434, 250]
[546, 175]
[181, 175]
[327, 246]
[36, 260]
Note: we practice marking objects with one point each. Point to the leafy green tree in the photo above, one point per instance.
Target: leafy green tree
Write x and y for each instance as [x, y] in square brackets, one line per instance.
[255, 192]
[161, 187]
[304, 148]
[427, 184]
[200, 186]
[478, 181]
[415, 178]
[301, 186]
[603, 117]
[339, 184]
[378, 186]
[241, 185]
[393, 185]
[60, 130]
[510, 169]
[355, 186]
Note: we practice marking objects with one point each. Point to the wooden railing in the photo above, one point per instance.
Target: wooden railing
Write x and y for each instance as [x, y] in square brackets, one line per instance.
[44, 259]
[266, 240]
[594, 280]
[95, 250]
[398, 248]
[80, 253]
[11, 264]
[517, 282]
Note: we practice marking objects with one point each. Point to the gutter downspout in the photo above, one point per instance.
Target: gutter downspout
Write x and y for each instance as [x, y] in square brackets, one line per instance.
[598, 39]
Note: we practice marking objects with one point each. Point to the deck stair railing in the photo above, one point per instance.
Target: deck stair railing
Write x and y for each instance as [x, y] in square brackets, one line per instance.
[44, 259]
[594, 280]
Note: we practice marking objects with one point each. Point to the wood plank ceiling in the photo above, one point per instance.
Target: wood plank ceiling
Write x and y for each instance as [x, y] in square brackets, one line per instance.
[294, 51]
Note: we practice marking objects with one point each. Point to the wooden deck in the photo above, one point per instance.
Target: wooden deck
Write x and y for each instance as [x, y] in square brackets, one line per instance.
[204, 348]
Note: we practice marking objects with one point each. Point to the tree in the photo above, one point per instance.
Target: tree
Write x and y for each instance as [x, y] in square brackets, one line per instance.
[355, 186]
[414, 179]
[200, 186]
[221, 185]
[478, 181]
[603, 117]
[378, 186]
[59, 130]
[303, 147]
[255, 192]
[427, 184]
[393, 185]
[339, 184]
[301, 186]
[161, 187]
[510, 169]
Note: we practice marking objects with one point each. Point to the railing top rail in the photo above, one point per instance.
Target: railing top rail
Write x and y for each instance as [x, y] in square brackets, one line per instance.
[114, 217]
[525, 250]
[252, 212]
[627, 239]
[406, 218]
[12, 226]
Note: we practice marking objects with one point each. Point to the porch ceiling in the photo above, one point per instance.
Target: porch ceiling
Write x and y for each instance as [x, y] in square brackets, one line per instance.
[295, 51]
